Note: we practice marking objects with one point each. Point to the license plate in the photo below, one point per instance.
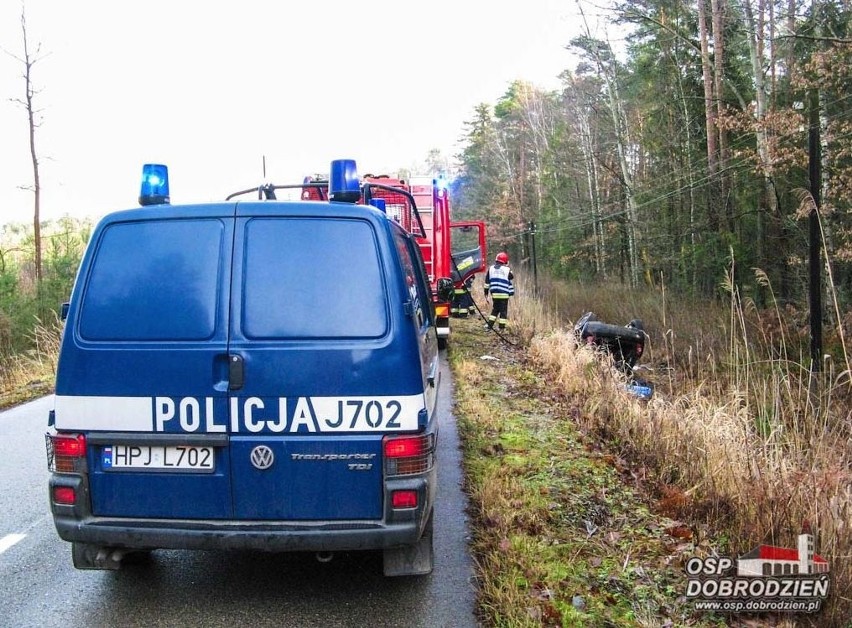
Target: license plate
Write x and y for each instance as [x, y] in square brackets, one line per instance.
[158, 458]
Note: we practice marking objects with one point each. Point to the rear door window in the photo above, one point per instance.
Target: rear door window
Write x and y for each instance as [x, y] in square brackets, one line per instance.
[312, 278]
[154, 281]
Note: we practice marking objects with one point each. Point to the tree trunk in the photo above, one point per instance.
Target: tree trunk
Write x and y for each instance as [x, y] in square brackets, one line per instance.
[620, 122]
[791, 49]
[709, 116]
[29, 61]
[754, 39]
[687, 152]
[594, 193]
[718, 8]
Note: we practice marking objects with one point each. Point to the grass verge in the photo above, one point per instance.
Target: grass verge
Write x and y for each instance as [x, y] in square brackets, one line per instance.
[561, 538]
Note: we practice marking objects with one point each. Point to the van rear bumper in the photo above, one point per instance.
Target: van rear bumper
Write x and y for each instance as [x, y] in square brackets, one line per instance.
[214, 535]
[397, 528]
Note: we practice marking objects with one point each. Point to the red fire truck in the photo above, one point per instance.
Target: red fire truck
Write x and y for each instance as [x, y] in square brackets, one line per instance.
[449, 249]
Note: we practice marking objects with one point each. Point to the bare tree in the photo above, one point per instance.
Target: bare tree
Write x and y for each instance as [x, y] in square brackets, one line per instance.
[709, 107]
[607, 65]
[580, 93]
[28, 60]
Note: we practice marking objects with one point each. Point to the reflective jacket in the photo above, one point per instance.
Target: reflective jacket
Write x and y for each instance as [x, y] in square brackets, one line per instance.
[498, 281]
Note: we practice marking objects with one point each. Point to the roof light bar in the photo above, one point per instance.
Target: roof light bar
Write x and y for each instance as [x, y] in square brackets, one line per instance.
[344, 186]
[155, 185]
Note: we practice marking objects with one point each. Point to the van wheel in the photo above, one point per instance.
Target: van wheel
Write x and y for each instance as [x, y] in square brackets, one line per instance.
[412, 560]
[85, 556]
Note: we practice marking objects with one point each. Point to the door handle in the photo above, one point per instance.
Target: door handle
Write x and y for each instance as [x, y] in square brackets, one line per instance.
[236, 372]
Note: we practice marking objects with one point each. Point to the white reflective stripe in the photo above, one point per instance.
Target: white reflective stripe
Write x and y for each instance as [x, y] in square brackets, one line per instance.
[117, 414]
[346, 414]
[443, 332]
[9, 540]
[252, 414]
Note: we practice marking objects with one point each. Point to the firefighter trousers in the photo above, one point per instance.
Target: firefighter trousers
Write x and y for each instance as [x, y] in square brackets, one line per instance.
[499, 311]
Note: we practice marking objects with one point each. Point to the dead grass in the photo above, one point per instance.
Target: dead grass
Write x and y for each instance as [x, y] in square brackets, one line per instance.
[743, 441]
[33, 373]
[559, 539]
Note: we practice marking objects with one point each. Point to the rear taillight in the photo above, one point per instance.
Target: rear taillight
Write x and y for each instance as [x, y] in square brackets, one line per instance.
[64, 495]
[65, 451]
[409, 455]
[442, 310]
[404, 499]
[405, 447]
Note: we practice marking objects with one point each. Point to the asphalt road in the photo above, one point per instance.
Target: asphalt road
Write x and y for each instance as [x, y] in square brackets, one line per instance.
[40, 587]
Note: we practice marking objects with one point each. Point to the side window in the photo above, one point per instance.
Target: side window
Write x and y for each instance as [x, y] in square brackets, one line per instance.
[154, 281]
[415, 275]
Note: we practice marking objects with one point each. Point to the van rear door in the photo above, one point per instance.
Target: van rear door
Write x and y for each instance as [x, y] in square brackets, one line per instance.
[144, 367]
[311, 326]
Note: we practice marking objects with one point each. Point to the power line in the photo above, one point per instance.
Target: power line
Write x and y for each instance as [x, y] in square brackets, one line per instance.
[703, 178]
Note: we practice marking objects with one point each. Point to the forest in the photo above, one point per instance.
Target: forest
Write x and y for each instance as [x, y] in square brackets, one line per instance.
[681, 154]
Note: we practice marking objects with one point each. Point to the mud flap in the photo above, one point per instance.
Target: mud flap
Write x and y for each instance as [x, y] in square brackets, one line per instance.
[412, 560]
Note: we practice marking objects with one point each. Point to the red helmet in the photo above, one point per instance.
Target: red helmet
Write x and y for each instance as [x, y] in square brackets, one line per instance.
[502, 258]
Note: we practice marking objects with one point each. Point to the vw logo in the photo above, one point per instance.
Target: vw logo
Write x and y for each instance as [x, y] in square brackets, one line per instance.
[262, 457]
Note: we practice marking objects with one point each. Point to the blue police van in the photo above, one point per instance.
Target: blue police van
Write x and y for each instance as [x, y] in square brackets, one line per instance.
[257, 374]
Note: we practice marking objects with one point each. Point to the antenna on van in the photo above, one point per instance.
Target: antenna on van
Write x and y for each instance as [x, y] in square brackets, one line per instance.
[266, 190]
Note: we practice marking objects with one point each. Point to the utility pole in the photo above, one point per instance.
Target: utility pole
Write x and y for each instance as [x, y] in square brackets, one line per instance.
[814, 239]
[534, 261]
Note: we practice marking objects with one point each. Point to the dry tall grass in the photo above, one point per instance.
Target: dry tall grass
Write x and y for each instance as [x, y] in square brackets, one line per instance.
[739, 436]
[32, 373]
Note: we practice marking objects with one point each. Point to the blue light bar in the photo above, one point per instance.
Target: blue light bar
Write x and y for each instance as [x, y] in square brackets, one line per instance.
[155, 185]
[344, 185]
[380, 204]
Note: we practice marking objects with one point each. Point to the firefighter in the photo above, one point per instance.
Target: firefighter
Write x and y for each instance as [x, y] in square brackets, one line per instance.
[467, 298]
[498, 283]
[462, 301]
[455, 305]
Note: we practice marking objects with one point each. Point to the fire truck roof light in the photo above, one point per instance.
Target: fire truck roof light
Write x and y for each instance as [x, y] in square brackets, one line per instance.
[343, 184]
[380, 204]
[155, 185]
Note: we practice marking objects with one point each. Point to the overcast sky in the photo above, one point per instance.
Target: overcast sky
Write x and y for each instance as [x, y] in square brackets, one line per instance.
[211, 87]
